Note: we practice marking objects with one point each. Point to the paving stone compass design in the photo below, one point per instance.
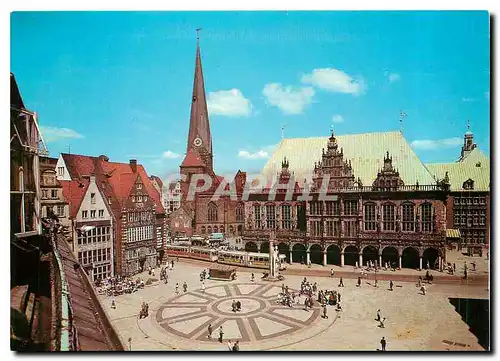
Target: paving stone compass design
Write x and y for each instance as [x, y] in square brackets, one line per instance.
[261, 318]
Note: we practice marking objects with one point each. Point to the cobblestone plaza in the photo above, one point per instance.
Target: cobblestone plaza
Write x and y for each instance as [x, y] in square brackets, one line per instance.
[180, 321]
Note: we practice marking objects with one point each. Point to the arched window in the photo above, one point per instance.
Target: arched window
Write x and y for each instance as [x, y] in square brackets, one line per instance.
[426, 216]
[240, 212]
[408, 217]
[271, 216]
[203, 230]
[231, 229]
[209, 229]
[389, 217]
[216, 229]
[256, 212]
[212, 212]
[286, 216]
[222, 229]
[370, 217]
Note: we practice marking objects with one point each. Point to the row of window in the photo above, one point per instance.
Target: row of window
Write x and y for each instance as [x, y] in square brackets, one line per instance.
[140, 216]
[101, 272]
[139, 199]
[330, 208]
[134, 253]
[94, 256]
[58, 211]
[409, 221]
[45, 193]
[286, 214]
[469, 200]
[95, 235]
[93, 214]
[213, 212]
[135, 234]
[474, 237]
[468, 221]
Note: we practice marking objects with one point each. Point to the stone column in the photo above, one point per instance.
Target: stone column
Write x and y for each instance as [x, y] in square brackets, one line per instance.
[341, 259]
[380, 260]
[420, 267]
[324, 258]
[308, 257]
[290, 257]
[440, 263]
[400, 262]
[360, 259]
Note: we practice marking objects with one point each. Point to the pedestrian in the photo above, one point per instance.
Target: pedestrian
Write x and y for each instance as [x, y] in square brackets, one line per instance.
[229, 345]
[203, 287]
[236, 346]
[113, 304]
[324, 311]
[166, 278]
[306, 304]
[177, 288]
[338, 297]
[454, 268]
[221, 334]
[185, 286]
[378, 315]
[473, 265]
[331, 273]
[253, 277]
[382, 323]
[391, 285]
[341, 283]
[153, 272]
[210, 331]
[359, 281]
[423, 290]
[383, 343]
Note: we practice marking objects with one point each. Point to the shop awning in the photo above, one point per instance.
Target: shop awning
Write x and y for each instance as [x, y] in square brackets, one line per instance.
[452, 233]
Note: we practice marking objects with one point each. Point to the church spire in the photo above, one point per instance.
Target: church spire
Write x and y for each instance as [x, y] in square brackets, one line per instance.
[199, 137]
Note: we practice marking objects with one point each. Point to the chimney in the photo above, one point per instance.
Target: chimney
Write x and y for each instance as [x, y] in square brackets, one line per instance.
[133, 165]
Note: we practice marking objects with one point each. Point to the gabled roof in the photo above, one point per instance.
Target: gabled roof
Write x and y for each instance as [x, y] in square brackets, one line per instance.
[114, 179]
[475, 166]
[157, 180]
[366, 152]
[192, 159]
[16, 100]
[73, 192]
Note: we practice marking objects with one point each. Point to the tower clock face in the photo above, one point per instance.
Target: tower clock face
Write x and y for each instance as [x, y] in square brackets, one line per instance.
[197, 142]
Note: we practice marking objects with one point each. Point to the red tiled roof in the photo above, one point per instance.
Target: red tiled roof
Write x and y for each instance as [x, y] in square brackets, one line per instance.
[153, 193]
[192, 159]
[157, 180]
[73, 192]
[114, 179]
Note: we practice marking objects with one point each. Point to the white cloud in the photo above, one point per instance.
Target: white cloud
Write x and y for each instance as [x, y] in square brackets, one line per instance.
[229, 103]
[288, 99]
[427, 144]
[260, 154]
[393, 77]
[467, 100]
[337, 118]
[334, 80]
[171, 155]
[53, 134]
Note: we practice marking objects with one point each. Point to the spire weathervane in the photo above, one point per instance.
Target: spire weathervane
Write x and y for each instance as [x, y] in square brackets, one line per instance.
[468, 125]
[402, 115]
[198, 34]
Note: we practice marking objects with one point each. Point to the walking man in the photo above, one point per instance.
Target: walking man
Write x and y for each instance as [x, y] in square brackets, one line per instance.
[221, 334]
[391, 285]
[383, 343]
[324, 311]
[359, 281]
[331, 273]
[382, 323]
[378, 315]
[185, 286]
[341, 283]
[177, 288]
[203, 287]
[210, 331]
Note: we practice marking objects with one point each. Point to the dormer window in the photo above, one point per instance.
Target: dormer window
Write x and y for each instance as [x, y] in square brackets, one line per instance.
[139, 198]
[60, 171]
[139, 186]
[468, 184]
[92, 198]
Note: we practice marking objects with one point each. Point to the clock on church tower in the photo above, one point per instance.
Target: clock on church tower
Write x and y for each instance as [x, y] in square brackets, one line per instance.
[197, 142]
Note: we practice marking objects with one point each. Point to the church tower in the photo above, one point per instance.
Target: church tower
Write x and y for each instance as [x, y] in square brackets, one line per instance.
[199, 138]
[469, 144]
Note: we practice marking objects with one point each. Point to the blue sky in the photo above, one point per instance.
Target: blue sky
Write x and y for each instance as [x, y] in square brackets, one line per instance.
[120, 84]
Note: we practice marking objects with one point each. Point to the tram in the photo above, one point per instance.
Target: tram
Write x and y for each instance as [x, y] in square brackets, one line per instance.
[207, 254]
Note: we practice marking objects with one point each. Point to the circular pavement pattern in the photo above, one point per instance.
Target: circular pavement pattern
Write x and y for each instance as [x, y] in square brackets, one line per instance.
[262, 322]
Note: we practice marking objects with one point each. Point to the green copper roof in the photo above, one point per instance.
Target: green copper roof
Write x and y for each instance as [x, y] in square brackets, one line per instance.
[475, 166]
[366, 152]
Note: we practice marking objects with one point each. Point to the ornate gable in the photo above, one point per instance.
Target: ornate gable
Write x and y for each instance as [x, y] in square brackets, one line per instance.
[334, 166]
[388, 178]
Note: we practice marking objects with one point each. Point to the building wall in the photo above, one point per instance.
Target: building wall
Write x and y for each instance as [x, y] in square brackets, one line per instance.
[93, 211]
